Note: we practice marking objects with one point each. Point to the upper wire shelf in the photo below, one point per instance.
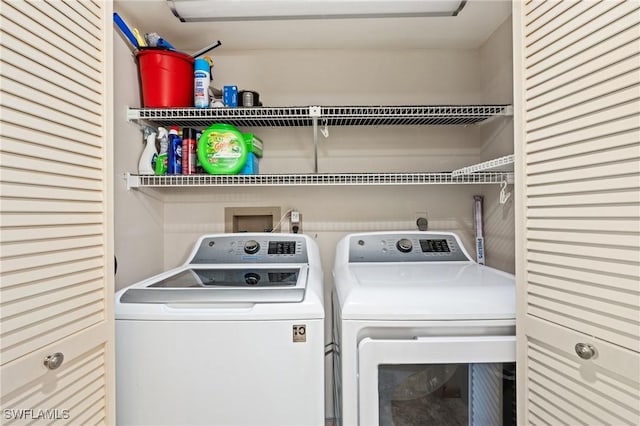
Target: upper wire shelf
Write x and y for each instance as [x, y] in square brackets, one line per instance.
[328, 115]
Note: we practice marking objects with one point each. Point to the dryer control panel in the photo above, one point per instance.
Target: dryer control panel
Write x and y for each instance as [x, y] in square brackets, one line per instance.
[406, 247]
[252, 248]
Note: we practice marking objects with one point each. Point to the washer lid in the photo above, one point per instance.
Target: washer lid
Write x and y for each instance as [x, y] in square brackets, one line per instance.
[419, 291]
[203, 285]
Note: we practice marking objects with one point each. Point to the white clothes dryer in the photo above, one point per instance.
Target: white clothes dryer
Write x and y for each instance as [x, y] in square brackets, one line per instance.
[424, 335]
[235, 336]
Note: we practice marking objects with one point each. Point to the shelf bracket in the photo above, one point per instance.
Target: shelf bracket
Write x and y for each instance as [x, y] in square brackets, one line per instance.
[133, 114]
[133, 181]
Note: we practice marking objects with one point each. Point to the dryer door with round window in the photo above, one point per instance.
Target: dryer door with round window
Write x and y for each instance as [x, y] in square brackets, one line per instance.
[438, 381]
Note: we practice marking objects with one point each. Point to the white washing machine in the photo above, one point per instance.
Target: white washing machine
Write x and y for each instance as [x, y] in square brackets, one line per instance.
[235, 336]
[424, 335]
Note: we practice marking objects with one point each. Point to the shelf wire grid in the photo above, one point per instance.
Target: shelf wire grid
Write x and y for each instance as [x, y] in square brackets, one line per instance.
[410, 115]
[204, 117]
[324, 179]
[502, 164]
[329, 115]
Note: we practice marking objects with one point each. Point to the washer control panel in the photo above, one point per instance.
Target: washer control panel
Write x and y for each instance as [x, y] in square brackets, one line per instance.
[409, 247]
[234, 248]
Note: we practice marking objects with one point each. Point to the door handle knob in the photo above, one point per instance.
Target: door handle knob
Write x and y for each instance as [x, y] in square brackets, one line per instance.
[54, 361]
[585, 350]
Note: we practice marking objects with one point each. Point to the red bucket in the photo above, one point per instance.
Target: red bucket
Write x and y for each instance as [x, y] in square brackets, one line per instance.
[166, 78]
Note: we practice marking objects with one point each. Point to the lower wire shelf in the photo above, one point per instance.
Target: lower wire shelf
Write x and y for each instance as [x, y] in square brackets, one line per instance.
[316, 179]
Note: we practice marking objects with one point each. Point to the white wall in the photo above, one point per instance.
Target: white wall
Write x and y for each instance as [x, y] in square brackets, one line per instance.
[496, 67]
[352, 77]
[341, 77]
[139, 217]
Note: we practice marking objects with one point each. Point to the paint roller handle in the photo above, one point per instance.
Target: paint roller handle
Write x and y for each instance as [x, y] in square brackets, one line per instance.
[206, 49]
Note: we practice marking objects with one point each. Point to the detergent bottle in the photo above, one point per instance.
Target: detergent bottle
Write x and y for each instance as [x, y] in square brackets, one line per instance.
[162, 161]
[174, 156]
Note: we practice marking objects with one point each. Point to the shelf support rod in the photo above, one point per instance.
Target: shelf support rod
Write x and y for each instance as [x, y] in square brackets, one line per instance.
[315, 113]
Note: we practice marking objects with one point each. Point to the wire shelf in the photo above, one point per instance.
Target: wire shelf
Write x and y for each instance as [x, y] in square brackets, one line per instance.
[330, 115]
[204, 117]
[315, 179]
[449, 115]
[502, 164]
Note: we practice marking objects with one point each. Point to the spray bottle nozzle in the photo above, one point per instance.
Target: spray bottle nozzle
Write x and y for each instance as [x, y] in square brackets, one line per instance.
[147, 131]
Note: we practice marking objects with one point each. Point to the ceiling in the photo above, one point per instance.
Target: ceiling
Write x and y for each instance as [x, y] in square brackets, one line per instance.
[470, 29]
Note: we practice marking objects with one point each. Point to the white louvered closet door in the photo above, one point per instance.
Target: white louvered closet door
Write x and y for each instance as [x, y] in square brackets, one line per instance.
[56, 255]
[577, 97]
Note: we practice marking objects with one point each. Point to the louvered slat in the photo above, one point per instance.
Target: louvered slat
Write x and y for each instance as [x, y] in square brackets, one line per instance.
[581, 44]
[58, 328]
[538, 22]
[611, 279]
[612, 64]
[17, 235]
[48, 286]
[78, 266]
[585, 118]
[603, 140]
[557, 31]
[23, 38]
[78, 384]
[607, 292]
[589, 134]
[50, 144]
[610, 400]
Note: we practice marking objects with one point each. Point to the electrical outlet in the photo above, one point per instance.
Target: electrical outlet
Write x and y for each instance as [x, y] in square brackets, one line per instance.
[295, 222]
[420, 220]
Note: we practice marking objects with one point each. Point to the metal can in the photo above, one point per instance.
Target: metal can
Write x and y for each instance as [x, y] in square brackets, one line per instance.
[247, 99]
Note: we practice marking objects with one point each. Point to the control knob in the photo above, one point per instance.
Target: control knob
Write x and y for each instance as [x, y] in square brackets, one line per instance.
[251, 247]
[252, 278]
[404, 245]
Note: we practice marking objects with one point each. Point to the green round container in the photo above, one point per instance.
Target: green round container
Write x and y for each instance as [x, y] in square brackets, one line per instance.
[222, 150]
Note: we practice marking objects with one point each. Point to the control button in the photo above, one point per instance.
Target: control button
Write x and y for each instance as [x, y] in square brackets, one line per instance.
[404, 245]
[251, 247]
